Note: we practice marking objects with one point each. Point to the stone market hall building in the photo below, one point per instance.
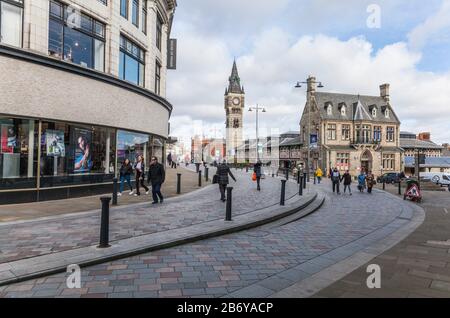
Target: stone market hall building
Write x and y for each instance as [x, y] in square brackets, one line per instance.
[82, 87]
[351, 132]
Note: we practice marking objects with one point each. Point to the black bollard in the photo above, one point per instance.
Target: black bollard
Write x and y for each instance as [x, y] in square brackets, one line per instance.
[399, 187]
[300, 186]
[298, 178]
[229, 201]
[384, 185]
[283, 191]
[246, 168]
[304, 180]
[206, 173]
[104, 227]
[199, 178]
[114, 196]
[178, 183]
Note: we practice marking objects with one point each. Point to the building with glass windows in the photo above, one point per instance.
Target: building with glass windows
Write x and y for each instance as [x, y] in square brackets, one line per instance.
[82, 87]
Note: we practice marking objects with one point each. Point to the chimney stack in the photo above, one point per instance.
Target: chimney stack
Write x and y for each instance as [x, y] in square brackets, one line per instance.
[384, 92]
[311, 84]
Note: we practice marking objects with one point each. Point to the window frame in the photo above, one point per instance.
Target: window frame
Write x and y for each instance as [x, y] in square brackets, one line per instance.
[159, 26]
[135, 10]
[345, 132]
[158, 68]
[144, 26]
[22, 7]
[127, 2]
[331, 128]
[123, 49]
[92, 34]
[390, 131]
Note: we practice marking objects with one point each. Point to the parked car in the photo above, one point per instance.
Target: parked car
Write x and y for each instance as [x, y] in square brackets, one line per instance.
[390, 177]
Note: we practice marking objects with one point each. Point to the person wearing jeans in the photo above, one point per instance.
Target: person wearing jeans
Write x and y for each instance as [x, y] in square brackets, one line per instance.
[156, 177]
[125, 174]
[347, 181]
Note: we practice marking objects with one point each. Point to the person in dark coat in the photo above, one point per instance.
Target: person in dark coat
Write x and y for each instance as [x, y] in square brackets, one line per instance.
[125, 175]
[335, 179]
[257, 171]
[347, 178]
[156, 177]
[223, 171]
[370, 179]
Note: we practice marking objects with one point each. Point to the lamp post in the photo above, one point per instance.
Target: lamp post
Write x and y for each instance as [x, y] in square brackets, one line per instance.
[257, 109]
[311, 80]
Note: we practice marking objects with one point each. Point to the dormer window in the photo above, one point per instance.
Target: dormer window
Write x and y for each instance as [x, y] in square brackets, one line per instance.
[374, 112]
[343, 111]
[386, 113]
[329, 110]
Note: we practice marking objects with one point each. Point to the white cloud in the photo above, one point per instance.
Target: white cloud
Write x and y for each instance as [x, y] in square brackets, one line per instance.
[276, 59]
[435, 28]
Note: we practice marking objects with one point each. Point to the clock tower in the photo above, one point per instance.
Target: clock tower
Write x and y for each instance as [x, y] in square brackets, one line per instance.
[234, 109]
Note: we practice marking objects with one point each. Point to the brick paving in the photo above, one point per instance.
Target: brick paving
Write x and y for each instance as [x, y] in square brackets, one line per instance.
[418, 266]
[28, 211]
[19, 240]
[228, 265]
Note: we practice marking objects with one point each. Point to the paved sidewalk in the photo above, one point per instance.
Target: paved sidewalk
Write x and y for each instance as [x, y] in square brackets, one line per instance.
[261, 262]
[419, 266]
[28, 211]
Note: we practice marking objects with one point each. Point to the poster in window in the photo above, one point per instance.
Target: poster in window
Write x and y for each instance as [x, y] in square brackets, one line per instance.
[8, 138]
[54, 140]
[83, 155]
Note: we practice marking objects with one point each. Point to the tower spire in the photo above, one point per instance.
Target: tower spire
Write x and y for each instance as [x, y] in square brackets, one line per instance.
[234, 80]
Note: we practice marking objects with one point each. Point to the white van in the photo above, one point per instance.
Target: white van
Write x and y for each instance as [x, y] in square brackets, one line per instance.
[441, 178]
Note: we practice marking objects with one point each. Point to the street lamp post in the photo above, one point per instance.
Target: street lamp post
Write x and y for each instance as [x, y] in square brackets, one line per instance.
[298, 85]
[257, 108]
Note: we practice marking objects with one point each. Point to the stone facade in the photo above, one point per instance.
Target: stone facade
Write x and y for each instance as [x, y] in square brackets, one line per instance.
[352, 132]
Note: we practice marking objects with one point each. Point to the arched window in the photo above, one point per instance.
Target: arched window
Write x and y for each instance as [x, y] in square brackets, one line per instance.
[374, 112]
[343, 111]
[386, 113]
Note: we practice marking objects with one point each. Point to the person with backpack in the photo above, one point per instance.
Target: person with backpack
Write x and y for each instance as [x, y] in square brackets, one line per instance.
[347, 178]
[125, 175]
[336, 179]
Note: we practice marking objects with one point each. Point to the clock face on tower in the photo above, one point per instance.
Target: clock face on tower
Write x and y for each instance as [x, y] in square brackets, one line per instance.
[236, 101]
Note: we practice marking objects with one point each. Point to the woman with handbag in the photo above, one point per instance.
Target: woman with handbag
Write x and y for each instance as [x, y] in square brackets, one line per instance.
[257, 175]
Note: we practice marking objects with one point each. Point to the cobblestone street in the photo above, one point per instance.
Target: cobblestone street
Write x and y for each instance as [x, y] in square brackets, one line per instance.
[254, 263]
[27, 239]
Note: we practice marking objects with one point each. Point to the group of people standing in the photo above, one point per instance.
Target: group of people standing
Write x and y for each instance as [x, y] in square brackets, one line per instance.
[364, 180]
[155, 177]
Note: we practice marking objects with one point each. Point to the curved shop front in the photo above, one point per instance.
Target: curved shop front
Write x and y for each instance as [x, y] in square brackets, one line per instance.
[64, 130]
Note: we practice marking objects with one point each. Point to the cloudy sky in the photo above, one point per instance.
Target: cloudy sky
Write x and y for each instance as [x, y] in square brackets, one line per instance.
[277, 43]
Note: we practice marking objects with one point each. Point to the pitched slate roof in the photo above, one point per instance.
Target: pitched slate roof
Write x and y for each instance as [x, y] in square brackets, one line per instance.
[430, 162]
[291, 142]
[406, 143]
[367, 103]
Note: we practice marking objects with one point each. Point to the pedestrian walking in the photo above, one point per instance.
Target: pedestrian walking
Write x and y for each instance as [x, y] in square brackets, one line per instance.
[370, 179]
[361, 181]
[336, 179]
[257, 171]
[140, 171]
[169, 159]
[347, 178]
[319, 174]
[125, 175]
[156, 177]
[222, 172]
